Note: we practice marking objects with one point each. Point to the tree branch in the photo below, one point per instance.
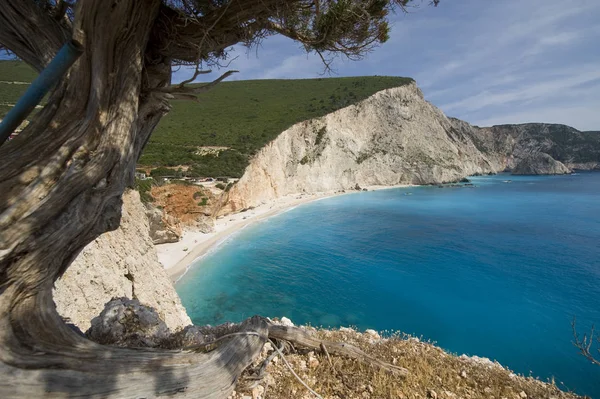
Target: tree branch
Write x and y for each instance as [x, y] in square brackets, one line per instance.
[196, 73]
[182, 92]
[584, 344]
[30, 32]
[60, 10]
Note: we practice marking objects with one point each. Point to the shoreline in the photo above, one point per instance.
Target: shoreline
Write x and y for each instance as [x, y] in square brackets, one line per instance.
[177, 257]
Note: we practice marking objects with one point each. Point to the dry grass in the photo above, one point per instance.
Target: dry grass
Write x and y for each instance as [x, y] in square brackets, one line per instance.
[433, 374]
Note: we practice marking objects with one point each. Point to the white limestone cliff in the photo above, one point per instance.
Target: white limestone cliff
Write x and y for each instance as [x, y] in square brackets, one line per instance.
[121, 263]
[392, 137]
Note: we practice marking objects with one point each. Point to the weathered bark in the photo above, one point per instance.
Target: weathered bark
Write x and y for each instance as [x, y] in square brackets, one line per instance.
[60, 188]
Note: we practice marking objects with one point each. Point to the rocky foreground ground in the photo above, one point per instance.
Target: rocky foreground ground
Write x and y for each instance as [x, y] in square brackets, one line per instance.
[432, 372]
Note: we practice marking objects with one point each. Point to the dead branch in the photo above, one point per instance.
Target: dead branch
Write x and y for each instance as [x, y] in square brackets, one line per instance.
[324, 350]
[182, 92]
[197, 72]
[584, 343]
[302, 338]
[294, 373]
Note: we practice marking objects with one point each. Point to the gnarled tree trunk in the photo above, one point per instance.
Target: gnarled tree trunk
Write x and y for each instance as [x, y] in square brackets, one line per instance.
[62, 178]
[60, 188]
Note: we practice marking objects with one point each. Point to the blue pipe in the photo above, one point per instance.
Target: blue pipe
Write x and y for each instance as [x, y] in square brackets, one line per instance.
[61, 63]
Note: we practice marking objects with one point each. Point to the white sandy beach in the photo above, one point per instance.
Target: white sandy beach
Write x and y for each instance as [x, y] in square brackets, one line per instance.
[177, 257]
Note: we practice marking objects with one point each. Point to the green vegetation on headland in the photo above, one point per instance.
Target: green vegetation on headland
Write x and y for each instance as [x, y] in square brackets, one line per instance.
[12, 75]
[241, 115]
[246, 115]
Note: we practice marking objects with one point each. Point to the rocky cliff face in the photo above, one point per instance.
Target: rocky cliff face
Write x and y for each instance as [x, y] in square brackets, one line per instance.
[396, 137]
[121, 263]
[393, 137]
[575, 149]
[540, 164]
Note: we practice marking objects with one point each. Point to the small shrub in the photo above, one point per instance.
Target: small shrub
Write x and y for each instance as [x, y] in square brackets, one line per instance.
[320, 135]
[363, 156]
[204, 202]
[144, 187]
[162, 172]
[198, 195]
[220, 186]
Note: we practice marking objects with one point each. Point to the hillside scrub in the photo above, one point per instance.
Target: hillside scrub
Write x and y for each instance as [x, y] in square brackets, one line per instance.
[264, 109]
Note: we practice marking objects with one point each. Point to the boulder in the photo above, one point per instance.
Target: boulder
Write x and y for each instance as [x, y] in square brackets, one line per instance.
[163, 228]
[126, 322]
[204, 224]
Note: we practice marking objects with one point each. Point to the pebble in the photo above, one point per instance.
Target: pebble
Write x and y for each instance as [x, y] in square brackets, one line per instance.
[523, 395]
[302, 365]
[431, 394]
[286, 322]
[257, 392]
[373, 333]
[267, 347]
[463, 374]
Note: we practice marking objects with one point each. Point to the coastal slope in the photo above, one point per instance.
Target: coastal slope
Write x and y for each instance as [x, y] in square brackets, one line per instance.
[120, 263]
[393, 137]
[396, 137]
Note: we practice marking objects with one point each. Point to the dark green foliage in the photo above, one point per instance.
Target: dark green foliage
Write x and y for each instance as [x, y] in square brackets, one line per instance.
[242, 115]
[16, 71]
[13, 71]
[320, 135]
[203, 202]
[220, 186]
[363, 156]
[158, 172]
[144, 187]
[246, 115]
[229, 163]
[576, 147]
[181, 182]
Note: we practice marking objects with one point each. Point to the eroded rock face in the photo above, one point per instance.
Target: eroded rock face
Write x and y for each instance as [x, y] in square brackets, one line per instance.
[121, 263]
[163, 228]
[396, 137]
[540, 164]
[393, 137]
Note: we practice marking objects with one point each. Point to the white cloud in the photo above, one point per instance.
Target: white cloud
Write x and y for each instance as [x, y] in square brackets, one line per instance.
[560, 38]
[531, 91]
[480, 60]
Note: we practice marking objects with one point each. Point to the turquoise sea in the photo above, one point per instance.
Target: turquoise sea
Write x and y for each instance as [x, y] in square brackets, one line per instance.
[498, 270]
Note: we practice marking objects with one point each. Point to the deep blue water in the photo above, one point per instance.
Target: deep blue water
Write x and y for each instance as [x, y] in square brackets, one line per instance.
[498, 270]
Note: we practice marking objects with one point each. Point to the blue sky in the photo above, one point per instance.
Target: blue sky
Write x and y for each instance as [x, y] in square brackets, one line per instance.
[484, 61]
